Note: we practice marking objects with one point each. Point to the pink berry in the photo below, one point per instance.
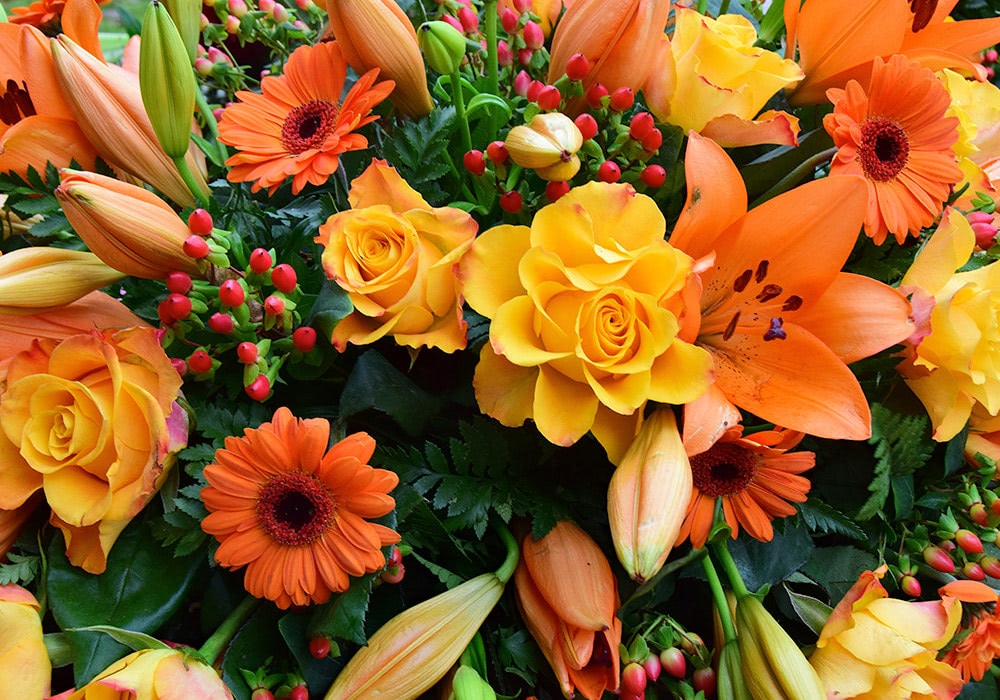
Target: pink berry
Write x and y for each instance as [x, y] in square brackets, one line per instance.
[652, 667]
[508, 20]
[653, 176]
[259, 388]
[973, 571]
[577, 67]
[221, 323]
[199, 362]
[260, 261]
[640, 125]
[247, 352]
[179, 306]
[674, 662]
[938, 559]
[200, 222]
[196, 247]
[652, 141]
[454, 22]
[534, 87]
[469, 20]
[299, 692]
[587, 126]
[180, 365]
[555, 190]
[475, 162]
[621, 99]
[991, 566]
[548, 98]
[595, 94]
[609, 172]
[505, 56]
[521, 82]
[304, 338]
[274, 305]
[991, 55]
[634, 678]
[231, 293]
[534, 39]
[524, 56]
[497, 152]
[522, 6]
[178, 282]
[969, 541]
[511, 202]
[393, 573]
[704, 680]
[283, 278]
[910, 586]
[262, 694]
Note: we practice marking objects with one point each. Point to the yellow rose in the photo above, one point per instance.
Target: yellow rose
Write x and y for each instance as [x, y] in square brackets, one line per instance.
[711, 78]
[93, 422]
[951, 360]
[24, 663]
[876, 647]
[395, 256]
[593, 314]
[152, 674]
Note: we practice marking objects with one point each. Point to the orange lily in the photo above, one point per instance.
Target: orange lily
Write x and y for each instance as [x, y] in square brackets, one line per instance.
[779, 318]
[838, 39]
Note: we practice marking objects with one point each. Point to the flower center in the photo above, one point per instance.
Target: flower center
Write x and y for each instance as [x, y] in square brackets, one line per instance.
[308, 125]
[15, 103]
[295, 509]
[724, 470]
[884, 149]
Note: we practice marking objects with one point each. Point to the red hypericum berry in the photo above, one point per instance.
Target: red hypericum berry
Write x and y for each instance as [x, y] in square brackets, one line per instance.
[262, 694]
[283, 278]
[691, 643]
[621, 99]
[199, 362]
[511, 202]
[522, 6]
[274, 306]
[260, 261]
[196, 247]
[534, 39]
[497, 152]
[652, 667]
[548, 98]
[969, 541]
[633, 678]
[577, 67]
[178, 306]
[200, 222]
[973, 571]
[609, 172]
[555, 190]
[221, 323]
[995, 506]
[393, 574]
[474, 162]
[948, 545]
[395, 556]
[534, 87]
[521, 82]
[977, 511]
[469, 20]
[453, 21]
[991, 565]
[652, 141]
[705, 681]
[259, 388]
[179, 365]
[674, 662]
[640, 125]
[178, 282]
[595, 94]
[524, 56]
[653, 175]
[625, 695]
[231, 293]
[299, 692]
[587, 126]
[990, 55]
[938, 559]
[910, 586]
[304, 338]
[508, 20]
[319, 646]
[505, 56]
[247, 352]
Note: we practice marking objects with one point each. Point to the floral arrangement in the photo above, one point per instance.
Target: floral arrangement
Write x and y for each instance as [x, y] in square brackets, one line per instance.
[478, 349]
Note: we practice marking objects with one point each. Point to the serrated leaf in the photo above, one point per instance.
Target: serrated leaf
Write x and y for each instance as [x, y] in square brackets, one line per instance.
[822, 517]
[344, 616]
[20, 568]
[445, 576]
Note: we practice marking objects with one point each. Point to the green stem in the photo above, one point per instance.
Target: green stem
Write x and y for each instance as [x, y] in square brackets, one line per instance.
[214, 645]
[188, 177]
[506, 569]
[458, 99]
[492, 64]
[666, 570]
[719, 596]
[796, 175]
[732, 571]
[724, 7]
[210, 123]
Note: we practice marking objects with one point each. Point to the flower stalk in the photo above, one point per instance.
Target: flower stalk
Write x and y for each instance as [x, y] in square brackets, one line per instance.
[214, 645]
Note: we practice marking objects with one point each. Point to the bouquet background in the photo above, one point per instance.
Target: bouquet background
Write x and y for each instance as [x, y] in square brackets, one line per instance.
[461, 349]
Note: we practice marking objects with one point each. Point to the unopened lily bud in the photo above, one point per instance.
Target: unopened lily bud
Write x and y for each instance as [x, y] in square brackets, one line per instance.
[548, 145]
[126, 226]
[187, 15]
[42, 278]
[166, 80]
[469, 685]
[648, 496]
[443, 46]
[773, 664]
[730, 677]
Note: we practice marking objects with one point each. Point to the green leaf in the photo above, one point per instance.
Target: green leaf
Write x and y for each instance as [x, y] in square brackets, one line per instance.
[768, 563]
[251, 648]
[446, 577]
[813, 612]
[376, 384]
[836, 569]
[902, 446]
[141, 588]
[344, 616]
[903, 495]
[59, 648]
[332, 305]
[20, 568]
[822, 517]
[296, 631]
[133, 640]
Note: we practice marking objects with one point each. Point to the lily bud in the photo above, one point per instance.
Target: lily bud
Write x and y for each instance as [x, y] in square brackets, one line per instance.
[649, 495]
[126, 226]
[107, 104]
[548, 145]
[773, 664]
[378, 34]
[186, 15]
[731, 685]
[469, 685]
[443, 46]
[33, 280]
[166, 80]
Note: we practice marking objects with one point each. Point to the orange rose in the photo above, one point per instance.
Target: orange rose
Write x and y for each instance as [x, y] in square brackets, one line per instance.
[24, 663]
[395, 256]
[155, 674]
[91, 421]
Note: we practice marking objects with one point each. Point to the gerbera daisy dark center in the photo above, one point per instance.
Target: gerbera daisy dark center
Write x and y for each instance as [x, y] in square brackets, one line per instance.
[308, 125]
[724, 470]
[295, 509]
[884, 150]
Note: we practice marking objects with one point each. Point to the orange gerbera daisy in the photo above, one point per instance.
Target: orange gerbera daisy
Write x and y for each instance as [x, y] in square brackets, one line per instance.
[293, 515]
[977, 643]
[898, 138]
[753, 476]
[299, 125]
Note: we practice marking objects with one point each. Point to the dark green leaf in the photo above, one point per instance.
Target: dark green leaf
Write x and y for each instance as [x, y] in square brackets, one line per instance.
[344, 616]
[376, 384]
[318, 673]
[814, 613]
[903, 495]
[836, 569]
[768, 563]
[822, 517]
[133, 640]
[331, 306]
[250, 649]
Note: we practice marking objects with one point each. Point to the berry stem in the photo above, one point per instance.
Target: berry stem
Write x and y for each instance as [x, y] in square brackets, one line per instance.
[719, 597]
[732, 570]
[185, 171]
[214, 645]
[458, 99]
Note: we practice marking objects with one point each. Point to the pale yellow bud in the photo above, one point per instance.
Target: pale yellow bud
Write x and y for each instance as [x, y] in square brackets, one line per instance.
[43, 278]
[548, 145]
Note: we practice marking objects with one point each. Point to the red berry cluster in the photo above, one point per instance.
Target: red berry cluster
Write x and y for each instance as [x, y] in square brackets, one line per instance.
[683, 665]
[525, 41]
